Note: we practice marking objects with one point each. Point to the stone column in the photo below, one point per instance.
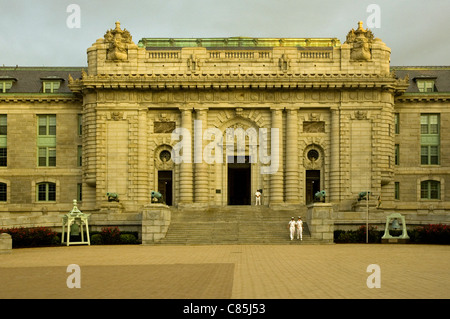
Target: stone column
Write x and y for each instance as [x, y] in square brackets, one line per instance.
[276, 179]
[201, 167]
[335, 173]
[292, 173]
[186, 174]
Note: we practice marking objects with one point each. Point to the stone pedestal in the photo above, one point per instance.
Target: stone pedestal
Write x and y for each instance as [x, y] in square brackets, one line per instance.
[320, 221]
[5, 243]
[155, 223]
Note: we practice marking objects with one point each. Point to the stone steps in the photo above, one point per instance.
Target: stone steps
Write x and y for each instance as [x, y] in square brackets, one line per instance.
[232, 225]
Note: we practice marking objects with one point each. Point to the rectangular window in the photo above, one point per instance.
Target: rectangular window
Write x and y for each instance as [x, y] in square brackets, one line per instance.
[430, 190]
[80, 156]
[47, 125]
[79, 192]
[3, 192]
[3, 157]
[5, 86]
[397, 190]
[46, 192]
[429, 139]
[50, 86]
[80, 124]
[397, 154]
[397, 123]
[3, 124]
[47, 156]
[425, 85]
[46, 140]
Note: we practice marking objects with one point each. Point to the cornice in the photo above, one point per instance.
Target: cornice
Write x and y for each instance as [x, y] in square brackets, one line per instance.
[282, 80]
[38, 97]
[423, 97]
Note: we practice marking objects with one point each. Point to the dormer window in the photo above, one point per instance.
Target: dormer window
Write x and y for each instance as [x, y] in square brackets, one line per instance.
[426, 85]
[51, 84]
[6, 83]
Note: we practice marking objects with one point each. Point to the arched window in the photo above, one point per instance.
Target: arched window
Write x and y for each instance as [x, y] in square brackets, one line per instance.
[430, 189]
[46, 192]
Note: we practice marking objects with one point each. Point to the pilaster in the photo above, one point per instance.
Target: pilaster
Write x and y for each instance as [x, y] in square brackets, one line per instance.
[186, 173]
[292, 173]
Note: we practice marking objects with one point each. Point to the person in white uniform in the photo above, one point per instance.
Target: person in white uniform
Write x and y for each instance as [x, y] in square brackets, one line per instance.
[299, 226]
[291, 227]
[258, 197]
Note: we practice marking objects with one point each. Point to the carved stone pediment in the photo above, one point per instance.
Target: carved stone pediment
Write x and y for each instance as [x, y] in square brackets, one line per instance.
[117, 41]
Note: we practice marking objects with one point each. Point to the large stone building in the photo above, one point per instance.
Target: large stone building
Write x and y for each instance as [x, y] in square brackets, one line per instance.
[207, 122]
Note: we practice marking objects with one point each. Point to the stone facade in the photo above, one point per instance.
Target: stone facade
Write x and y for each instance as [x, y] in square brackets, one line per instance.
[332, 104]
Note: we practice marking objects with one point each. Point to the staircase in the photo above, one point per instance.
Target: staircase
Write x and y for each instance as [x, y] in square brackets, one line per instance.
[232, 225]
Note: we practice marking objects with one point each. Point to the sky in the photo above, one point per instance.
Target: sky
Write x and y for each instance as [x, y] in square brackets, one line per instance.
[49, 32]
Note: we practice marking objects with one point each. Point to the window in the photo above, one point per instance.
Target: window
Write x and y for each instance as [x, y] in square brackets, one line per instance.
[429, 124]
[3, 192]
[429, 139]
[430, 190]
[79, 192]
[5, 85]
[47, 156]
[3, 156]
[47, 125]
[46, 140]
[80, 124]
[425, 85]
[46, 192]
[397, 123]
[50, 86]
[80, 156]
[3, 140]
[429, 155]
[3, 124]
[397, 190]
[397, 154]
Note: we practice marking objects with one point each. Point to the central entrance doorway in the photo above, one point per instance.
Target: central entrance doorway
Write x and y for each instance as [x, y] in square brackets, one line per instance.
[239, 180]
[165, 186]
[312, 184]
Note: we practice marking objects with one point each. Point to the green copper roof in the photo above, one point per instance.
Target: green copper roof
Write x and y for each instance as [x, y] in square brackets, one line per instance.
[237, 42]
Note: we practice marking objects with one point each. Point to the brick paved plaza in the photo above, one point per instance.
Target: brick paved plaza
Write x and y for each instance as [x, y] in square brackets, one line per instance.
[228, 271]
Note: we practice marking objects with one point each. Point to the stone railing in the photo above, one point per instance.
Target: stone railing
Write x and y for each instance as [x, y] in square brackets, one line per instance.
[241, 55]
[163, 55]
[316, 55]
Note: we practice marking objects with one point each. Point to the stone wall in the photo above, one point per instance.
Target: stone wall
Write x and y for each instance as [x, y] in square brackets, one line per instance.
[320, 219]
[155, 223]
